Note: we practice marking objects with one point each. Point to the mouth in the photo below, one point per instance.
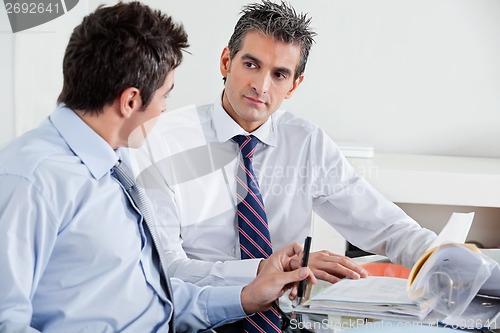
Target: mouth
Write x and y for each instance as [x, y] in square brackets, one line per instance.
[254, 100]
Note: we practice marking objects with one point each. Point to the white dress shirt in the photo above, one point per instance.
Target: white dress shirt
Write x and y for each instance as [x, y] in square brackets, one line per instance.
[300, 171]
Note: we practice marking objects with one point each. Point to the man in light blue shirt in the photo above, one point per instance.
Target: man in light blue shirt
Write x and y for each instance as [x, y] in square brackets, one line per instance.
[75, 253]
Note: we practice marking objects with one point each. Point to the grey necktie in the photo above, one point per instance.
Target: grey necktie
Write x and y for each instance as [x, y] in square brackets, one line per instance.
[139, 199]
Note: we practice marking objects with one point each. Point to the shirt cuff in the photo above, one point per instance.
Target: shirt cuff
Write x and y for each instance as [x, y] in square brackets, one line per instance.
[238, 272]
[224, 305]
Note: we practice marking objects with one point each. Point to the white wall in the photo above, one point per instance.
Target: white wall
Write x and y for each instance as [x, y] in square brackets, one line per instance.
[34, 74]
[412, 76]
[409, 76]
[419, 76]
[6, 79]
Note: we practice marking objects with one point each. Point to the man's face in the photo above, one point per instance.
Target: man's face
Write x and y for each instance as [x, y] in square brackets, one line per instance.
[142, 121]
[258, 78]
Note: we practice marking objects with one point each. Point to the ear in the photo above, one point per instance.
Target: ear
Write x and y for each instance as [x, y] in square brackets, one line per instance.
[130, 101]
[295, 85]
[225, 62]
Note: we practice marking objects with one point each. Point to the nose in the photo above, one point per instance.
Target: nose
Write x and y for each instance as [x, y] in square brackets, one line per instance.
[261, 83]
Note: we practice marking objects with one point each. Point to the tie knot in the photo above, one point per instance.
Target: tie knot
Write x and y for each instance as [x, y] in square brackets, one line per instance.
[123, 176]
[247, 144]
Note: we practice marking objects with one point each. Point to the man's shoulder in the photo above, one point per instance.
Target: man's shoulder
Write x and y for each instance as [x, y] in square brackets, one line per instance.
[287, 120]
[29, 152]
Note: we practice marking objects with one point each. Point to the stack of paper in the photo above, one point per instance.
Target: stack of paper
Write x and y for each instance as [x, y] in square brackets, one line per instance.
[374, 296]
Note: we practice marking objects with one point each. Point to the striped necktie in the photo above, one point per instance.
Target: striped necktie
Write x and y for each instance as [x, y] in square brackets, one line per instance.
[139, 199]
[255, 240]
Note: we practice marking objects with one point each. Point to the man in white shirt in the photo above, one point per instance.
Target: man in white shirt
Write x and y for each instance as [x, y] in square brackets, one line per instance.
[299, 168]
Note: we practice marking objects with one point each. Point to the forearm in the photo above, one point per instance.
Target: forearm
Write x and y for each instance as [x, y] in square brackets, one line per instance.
[407, 243]
[204, 273]
[368, 220]
[384, 228]
[200, 308]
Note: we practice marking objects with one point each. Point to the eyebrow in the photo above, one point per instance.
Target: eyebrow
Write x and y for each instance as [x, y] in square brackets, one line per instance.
[285, 70]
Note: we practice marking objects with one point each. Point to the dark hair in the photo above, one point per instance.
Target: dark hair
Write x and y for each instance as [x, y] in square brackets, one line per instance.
[279, 21]
[114, 48]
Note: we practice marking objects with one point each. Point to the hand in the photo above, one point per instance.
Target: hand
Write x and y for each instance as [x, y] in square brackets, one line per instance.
[275, 277]
[331, 267]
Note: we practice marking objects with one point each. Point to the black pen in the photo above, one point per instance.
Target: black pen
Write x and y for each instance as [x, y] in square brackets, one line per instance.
[305, 261]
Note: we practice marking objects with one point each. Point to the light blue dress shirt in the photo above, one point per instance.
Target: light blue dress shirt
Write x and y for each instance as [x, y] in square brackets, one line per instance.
[73, 255]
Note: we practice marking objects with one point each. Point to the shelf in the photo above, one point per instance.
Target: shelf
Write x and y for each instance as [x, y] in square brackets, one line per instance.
[440, 180]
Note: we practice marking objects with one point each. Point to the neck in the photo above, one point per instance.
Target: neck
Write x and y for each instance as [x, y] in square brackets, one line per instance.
[246, 125]
[106, 124]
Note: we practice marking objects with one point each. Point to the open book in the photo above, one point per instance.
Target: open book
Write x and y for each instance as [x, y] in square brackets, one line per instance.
[443, 277]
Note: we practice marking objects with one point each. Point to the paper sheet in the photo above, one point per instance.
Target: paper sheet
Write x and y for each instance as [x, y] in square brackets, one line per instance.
[373, 289]
[375, 295]
[456, 229]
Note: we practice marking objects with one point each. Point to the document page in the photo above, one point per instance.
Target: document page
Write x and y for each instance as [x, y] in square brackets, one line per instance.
[456, 229]
[372, 289]
[378, 296]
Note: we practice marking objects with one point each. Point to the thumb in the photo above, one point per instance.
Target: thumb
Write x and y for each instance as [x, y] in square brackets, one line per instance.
[297, 275]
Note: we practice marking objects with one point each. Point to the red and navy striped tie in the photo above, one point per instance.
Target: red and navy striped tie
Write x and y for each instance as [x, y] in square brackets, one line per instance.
[255, 240]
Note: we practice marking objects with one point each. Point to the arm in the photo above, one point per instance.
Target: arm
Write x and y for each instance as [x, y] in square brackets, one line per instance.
[360, 213]
[199, 272]
[200, 307]
[378, 226]
[27, 232]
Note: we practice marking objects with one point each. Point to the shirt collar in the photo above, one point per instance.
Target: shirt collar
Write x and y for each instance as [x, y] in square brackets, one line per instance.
[85, 143]
[226, 127]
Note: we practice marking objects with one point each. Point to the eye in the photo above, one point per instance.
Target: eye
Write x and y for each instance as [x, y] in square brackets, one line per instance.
[249, 64]
[280, 76]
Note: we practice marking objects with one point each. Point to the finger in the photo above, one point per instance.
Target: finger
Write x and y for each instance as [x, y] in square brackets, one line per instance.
[332, 269]
[293, 292]
[296, 262]
[292, 250]
[339, 265]
[333, 272]
[322, 275]
[338, 270]
[294, 289]
[351, 269]
[295, 276]
[289, 256]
